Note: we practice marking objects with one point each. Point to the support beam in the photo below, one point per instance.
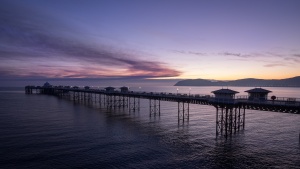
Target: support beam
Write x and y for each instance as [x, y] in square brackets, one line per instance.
[124, 101]
[183, 111]
[244, 115]
[134, 104]
[102, 100]
[217, 121]
[109, 101]
[154, 106]
[228, 119]
[235, 120]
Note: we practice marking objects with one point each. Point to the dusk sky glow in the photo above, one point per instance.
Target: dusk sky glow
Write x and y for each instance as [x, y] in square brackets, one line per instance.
[180, 39]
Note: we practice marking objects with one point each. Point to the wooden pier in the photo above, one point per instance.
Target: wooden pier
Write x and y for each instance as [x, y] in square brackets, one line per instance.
[230, 111]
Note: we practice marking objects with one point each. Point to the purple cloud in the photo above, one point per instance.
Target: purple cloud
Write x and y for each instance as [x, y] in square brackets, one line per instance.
[293, 59]
[274, 65]
[27, 39]
[296, 55]
[189, 52]
[230, 54]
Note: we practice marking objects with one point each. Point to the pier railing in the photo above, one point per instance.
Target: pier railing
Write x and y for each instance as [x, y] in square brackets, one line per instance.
[245, 99]
[230, 112]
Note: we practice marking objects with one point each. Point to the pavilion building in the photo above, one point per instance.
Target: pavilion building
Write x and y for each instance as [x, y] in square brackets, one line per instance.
[258, 94]
[109, 89]
[124, 89]
[224, 94]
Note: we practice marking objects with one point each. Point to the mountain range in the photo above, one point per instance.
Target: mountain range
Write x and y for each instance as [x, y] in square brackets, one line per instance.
[289, 82]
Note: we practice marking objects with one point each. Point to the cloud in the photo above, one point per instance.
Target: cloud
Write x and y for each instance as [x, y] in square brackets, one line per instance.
[293, 59]
[270, 59]
[296, 55]
[27, 39]
[240, 55]
[179, 51]
[189, 52]
[262, 54]
[197, 53]
[274, 65]
[230, 54]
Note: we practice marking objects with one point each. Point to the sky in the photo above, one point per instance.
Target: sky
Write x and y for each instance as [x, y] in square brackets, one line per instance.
[138, 39]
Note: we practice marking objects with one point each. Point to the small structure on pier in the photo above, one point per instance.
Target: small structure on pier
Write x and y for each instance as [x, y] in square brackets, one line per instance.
[109, 89]
[258, 94]
[124, 89]
[230, 112]
[47, 84]
[224, 93]
[86, 87]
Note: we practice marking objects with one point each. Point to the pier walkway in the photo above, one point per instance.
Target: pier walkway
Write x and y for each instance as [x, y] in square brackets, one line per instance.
[230, 111]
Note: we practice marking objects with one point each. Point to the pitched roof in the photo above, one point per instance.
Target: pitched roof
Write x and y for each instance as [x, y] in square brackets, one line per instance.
[258, 90]
[47, 84]
[224, 91]
[124, 87]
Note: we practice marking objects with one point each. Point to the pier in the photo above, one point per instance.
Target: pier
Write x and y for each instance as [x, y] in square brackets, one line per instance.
[230, 109]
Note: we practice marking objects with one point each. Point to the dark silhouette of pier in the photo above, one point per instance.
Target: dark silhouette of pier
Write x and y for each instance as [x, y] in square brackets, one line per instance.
[230, 109]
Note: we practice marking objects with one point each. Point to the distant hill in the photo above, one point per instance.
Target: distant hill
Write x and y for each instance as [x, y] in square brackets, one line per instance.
[290, 82]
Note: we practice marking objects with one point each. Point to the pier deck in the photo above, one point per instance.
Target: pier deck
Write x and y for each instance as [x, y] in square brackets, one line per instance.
[230, 112]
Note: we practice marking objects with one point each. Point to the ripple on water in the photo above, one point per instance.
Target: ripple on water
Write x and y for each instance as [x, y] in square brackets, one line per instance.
[46, 132]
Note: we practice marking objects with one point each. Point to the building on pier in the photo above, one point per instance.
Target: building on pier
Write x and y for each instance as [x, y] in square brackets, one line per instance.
[230, 112]
[86, 87]
[124, 89]
[47, 84]
[109, 89]
[224, 93]
[259, 94]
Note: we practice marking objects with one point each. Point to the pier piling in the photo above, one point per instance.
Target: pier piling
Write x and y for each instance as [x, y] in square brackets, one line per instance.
[230, 111]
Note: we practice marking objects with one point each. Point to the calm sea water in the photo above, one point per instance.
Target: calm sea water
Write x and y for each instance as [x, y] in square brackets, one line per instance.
[38, 131]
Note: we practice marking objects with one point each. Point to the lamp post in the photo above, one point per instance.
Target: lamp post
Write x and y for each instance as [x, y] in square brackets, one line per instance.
[190, 91]
[177, 91]
[140, 89]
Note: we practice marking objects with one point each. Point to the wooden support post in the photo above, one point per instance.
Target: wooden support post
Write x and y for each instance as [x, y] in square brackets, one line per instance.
[188, 104]
[183, 111]
[159, 106]
[239, 119]
[235, 120]
[226, 122]
[178, 112]
[222, 120]
[244, 119]
[217, 121]
[100, 104]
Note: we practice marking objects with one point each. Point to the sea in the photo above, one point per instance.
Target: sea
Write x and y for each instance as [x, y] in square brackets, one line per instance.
[42, 131]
